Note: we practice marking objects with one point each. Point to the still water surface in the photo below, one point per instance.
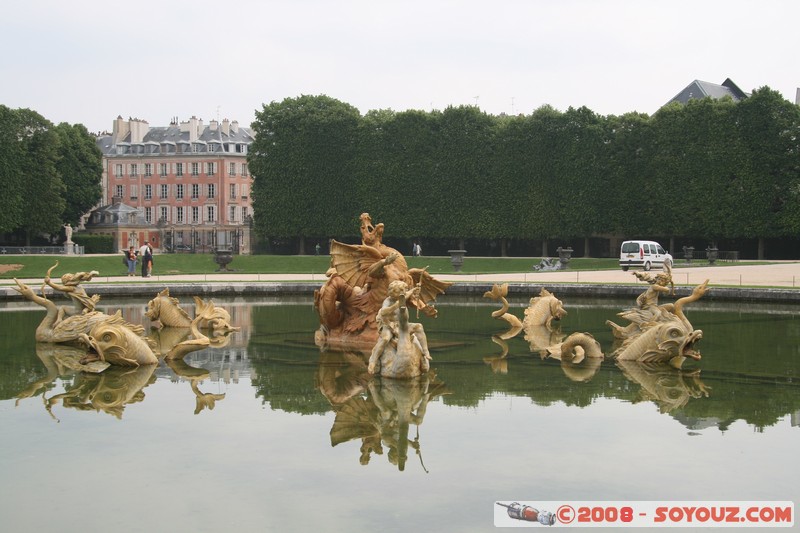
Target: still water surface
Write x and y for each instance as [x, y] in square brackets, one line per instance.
[269, 434]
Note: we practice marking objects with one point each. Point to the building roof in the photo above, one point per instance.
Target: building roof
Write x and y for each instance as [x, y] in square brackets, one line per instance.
[116, 214]
[704, 89]
[174, 134]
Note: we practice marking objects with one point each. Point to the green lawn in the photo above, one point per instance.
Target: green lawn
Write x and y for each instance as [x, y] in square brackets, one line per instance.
[33, 266]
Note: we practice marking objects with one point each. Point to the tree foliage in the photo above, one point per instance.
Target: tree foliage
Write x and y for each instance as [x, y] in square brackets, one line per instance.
[80, 167]
[303, 157]
[50, 174]
[709, 169]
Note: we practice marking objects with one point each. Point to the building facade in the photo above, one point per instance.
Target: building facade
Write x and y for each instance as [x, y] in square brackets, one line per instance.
[187, 183]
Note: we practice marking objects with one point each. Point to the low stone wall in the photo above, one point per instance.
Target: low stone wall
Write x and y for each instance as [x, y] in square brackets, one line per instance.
[563, 290]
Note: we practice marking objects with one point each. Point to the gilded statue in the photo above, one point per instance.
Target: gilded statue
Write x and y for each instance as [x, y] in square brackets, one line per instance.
[358, 283]
[499, 293]
[115, 343]
[164, 310]
[669, 338]
[543, 309]
[647, 309]
[110, 339]
[61, 324]
[401, 350]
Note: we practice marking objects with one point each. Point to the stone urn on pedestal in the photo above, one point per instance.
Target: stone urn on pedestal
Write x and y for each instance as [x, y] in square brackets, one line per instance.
[223, 257]
[564, 255]
[457, 259]
[712, 252]
[688, 253]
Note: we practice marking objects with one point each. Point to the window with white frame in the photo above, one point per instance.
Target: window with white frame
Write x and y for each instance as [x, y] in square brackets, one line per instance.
[209, 169]
[134, 190]
[232, 169]
[164, 190]
[244, 213]
[212, 190]
[148, 170]
[148, 192]
[245, 190]
[211, 213]
[232, 214]
[244, 169]
[195, 215]
[118, 170]
[119, 191]
[195, 169]
[233, 190]
[134, 169]
[195, 191]
[179, 169]
[163, 216]
[179, 214]
[163, 169]
[179, 191]
[148, 214]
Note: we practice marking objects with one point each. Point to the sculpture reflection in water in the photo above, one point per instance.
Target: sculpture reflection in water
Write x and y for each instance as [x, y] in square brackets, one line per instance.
[378, 411]
[195, 376]
[99, 387]
[580, 357]
[657, 336]
[110, 338]
[109, 391]
[81, 340]
[667, 387]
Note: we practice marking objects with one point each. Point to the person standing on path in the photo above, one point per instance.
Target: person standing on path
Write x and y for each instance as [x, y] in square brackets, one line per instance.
[147, 262]
[130, 257]
[142, 253]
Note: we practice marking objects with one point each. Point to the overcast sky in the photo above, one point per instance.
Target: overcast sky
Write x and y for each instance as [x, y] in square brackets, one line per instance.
[87, 61]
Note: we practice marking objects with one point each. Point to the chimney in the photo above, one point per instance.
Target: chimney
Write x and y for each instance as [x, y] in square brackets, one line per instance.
[235, 126]
[213, 125]
[226, 127]
[194, 128]
[139, 128]
[120, 129]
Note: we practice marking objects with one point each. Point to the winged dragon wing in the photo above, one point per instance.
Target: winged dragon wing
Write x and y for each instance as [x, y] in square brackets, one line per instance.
[353, 261]
[430, 288]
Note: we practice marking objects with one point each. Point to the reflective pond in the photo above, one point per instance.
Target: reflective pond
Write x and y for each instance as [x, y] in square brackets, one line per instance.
[266, 433]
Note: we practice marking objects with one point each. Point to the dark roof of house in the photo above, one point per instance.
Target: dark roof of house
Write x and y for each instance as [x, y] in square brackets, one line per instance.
[703, 89]
[173, 134]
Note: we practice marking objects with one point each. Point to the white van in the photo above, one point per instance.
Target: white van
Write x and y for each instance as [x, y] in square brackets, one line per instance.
[643, 254]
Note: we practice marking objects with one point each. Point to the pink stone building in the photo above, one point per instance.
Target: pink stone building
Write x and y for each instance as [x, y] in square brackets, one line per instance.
[182, 187]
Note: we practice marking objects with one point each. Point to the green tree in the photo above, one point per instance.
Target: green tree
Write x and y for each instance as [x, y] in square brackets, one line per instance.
[43, 189]
[768, 128]
[12, 157]
[302, 161]
[462, 186]
[626, 174]
[80, 167]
